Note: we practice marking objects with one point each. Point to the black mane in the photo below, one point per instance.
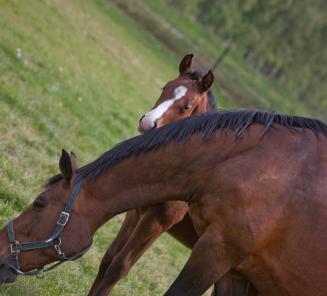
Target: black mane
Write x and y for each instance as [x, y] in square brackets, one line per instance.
[238, 121]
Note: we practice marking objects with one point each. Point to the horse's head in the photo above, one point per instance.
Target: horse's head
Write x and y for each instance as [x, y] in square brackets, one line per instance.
[43, 233]
[182, 97]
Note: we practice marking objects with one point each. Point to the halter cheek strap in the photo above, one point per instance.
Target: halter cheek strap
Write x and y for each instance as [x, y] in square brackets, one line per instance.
[53, 241]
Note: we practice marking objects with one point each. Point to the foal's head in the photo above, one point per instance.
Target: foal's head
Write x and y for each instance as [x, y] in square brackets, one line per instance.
[39, 220]
[180, 98]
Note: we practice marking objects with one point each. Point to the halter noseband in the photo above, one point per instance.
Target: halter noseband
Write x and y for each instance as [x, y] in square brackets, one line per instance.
[53, 241]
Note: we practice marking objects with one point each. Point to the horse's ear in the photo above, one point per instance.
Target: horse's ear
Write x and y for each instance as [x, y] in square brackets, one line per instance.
[185, 64]
[206, 82]
[67, 165]
[73, 160]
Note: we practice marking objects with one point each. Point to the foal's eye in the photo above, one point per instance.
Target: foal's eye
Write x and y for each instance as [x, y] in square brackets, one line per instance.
[39, 204]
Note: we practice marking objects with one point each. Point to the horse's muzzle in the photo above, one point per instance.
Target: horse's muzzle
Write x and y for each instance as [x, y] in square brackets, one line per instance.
[7, 275]
[146, 125]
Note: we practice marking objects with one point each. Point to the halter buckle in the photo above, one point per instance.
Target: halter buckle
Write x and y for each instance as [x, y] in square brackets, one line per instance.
[14, 250]
[63, 218]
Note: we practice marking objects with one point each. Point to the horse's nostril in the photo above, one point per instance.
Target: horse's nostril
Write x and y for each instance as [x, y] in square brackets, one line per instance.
[155, 125]
[141, 118]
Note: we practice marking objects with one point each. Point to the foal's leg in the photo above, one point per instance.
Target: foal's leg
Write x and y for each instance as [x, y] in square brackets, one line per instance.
[208, 262]
[131, 219]
[153, 222]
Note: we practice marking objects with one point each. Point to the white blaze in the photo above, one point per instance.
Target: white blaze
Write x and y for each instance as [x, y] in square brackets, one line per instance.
[150, 117]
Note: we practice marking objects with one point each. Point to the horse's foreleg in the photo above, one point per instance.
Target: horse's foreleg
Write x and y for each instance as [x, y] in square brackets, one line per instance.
[131, 219]
[234, 284]
[153, 222]
[208, 262]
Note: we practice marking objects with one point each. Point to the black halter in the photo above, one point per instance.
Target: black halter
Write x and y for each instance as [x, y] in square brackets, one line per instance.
[53, 241]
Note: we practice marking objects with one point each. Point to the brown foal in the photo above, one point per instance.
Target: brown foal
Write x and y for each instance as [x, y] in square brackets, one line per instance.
[187, 95]
[255, 181]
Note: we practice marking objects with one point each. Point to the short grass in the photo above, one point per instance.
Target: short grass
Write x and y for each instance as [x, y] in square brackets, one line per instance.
[78, 74]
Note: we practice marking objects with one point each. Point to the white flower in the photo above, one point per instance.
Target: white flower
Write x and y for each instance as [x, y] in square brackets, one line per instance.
[18, 53]
[80, 99]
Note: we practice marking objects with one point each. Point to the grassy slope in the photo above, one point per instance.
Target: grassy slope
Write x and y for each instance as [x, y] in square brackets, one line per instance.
[78, 74]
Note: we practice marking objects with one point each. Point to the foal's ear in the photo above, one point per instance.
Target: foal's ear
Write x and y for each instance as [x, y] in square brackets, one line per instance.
[67, 165]
[185, 64]
[206, 82]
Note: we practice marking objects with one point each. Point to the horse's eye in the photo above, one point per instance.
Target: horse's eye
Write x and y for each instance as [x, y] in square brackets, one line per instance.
[39, 204]
[186, 107]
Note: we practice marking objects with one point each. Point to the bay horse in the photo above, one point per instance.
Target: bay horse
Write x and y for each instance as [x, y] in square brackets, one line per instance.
[180, 98]
[255, 181]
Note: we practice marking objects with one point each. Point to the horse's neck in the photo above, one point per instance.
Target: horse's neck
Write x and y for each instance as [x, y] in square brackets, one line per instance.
[140, 181]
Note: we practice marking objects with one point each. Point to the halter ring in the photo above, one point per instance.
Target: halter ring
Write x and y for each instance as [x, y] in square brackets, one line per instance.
[14, 250]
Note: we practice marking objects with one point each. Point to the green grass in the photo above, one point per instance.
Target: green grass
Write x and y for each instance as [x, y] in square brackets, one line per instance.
[79, 74]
